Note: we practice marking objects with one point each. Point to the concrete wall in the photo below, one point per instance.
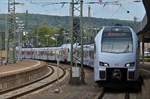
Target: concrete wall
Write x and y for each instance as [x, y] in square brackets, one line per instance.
[13, 80]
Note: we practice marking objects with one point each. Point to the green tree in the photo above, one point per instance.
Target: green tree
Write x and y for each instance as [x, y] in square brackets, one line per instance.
[46, 36]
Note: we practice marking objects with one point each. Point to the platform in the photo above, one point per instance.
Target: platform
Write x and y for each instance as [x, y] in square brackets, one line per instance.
[21, 73]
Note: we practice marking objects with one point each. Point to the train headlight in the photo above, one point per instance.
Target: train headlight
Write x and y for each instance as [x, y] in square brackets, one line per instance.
[130, 64]
[103, 64]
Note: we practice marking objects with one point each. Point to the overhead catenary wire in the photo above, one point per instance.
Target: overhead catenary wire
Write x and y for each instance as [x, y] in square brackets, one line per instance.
[64, 3]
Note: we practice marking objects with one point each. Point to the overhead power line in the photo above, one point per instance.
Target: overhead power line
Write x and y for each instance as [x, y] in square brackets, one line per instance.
[100, 2]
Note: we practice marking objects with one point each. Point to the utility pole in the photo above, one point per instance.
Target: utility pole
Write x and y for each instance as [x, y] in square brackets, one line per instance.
[89, 28]
[11, 31]
[81, 32]
[26, 28]
[77, 72]
[36, 32]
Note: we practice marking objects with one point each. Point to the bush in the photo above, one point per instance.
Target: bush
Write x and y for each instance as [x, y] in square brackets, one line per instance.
[146, 56]
[147, 59]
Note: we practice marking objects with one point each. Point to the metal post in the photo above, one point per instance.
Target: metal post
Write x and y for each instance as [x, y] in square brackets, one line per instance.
[20, 45]
[142, 48]
[26, 27]
[81, 32]
[77, 72]
[72, 14]
[12, 31]
[20, 41]
[89, 11]
[71, 36]
[37, 35]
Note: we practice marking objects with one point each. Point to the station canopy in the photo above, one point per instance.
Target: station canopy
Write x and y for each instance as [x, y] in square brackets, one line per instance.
[145, 32]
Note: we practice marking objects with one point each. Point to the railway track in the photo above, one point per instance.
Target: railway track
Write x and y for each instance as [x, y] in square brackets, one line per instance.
[111, 95]
[145, 72]
[127, 95]
[103, 94]
[36, 85]
[100, 95]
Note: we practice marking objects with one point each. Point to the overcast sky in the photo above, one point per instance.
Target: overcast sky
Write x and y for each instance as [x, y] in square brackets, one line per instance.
[97, 10]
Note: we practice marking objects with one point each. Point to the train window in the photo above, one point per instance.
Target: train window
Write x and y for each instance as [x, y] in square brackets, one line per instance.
[28, 52]
[22, 52]
[91, 54]
[45, 52]
[48, 52]
[117, 41]
[85, 54]
[60, 52]
[38, 52]
[42, 53]
[51, 52]
[32, 52]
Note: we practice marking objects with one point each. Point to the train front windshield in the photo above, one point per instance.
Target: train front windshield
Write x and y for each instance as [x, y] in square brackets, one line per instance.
[117, 40]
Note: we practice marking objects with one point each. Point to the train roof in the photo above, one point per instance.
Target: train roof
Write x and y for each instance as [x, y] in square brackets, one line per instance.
[66, 46]
[89, 46]
[69, 45]
[43, 48]
[119, 28]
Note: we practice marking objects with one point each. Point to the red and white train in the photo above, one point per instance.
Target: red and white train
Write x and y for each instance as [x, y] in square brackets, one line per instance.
[52, 53]
[113, 56]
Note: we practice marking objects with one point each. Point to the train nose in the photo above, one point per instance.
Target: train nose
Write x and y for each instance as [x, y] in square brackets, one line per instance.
[116, 74]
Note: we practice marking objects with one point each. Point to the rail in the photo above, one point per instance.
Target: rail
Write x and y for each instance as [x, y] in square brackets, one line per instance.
[44, 84]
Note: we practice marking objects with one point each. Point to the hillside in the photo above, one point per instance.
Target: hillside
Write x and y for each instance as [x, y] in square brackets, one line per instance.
[33, 20]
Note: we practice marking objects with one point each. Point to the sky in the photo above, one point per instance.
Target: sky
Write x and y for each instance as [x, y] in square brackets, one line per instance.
[126, 10]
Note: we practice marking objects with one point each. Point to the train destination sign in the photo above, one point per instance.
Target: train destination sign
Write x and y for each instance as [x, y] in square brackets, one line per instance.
[116, 34]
